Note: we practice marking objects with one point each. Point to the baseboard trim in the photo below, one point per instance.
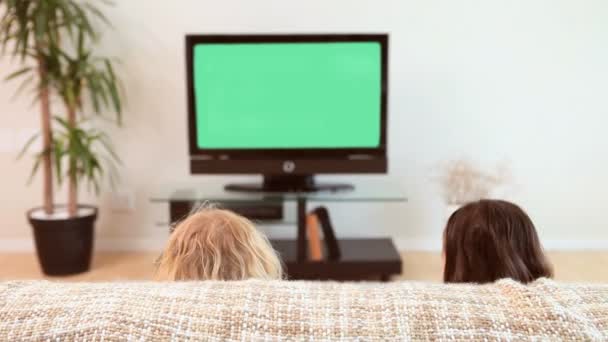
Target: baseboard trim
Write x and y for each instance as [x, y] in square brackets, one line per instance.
[418, 245]
[130, 245]
[101, 245]
[576, 245]
[16, 245]
[423, 245]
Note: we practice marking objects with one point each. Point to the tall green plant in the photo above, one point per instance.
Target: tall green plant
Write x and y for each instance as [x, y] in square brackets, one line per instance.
[78, 147]
[78, 74]
[39, 32]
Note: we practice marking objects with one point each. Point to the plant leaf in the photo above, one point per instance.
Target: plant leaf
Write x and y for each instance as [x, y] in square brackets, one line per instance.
[109, 148]
[98, 14]
[41, 22]
[35, 168]
[17, 73]
[93, 94]
[82, 21]
[63, 123]
[27, 145]
[22, 86]
[116, 101]
[80, 46]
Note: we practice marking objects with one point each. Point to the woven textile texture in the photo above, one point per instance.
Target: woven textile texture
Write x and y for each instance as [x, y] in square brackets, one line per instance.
[302, 311]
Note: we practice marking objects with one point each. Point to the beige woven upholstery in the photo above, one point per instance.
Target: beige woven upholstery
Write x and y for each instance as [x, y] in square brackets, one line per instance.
[306, 311]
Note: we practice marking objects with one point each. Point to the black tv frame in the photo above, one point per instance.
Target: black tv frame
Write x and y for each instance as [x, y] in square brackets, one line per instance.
[287, 169]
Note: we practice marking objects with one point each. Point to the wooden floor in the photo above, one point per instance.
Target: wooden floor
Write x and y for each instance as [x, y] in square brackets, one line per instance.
[419, 266]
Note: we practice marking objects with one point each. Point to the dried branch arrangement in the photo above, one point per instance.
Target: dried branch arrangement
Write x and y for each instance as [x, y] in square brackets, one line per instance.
[463, 181]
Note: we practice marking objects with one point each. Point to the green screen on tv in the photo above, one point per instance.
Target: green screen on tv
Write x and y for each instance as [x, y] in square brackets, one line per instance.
[287, 95]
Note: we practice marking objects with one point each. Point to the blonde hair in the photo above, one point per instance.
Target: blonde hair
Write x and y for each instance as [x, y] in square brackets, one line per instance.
[216, 244]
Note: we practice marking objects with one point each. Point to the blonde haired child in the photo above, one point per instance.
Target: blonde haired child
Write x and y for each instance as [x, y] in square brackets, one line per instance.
[216, 244]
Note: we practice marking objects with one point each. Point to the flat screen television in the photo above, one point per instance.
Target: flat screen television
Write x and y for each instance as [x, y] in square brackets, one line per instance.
[287, 107]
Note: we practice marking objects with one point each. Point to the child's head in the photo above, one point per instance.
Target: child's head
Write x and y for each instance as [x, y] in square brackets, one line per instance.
[488, 240]
[215, 244]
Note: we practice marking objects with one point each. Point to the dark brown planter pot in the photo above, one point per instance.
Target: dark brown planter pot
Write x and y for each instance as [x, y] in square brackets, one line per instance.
[64, 246]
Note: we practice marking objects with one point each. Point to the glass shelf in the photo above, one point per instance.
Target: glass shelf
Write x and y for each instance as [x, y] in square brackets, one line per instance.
[349, 255]
[384, 190]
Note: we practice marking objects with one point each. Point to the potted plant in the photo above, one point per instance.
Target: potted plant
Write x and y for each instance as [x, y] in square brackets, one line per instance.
[52, 41]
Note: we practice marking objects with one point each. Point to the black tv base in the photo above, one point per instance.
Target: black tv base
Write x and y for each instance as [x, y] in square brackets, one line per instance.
[290, 183]
[360, 259]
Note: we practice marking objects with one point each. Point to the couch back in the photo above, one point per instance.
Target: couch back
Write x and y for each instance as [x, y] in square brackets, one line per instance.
[280, 310]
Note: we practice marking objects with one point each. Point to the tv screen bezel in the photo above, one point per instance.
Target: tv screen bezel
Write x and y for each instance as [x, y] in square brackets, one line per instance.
[285, 153]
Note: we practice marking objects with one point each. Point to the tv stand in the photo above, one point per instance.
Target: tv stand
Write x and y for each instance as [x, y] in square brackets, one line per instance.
[291, 183]
[344, 258]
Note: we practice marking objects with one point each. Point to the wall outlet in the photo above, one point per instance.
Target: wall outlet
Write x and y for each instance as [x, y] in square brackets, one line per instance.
[122, 200]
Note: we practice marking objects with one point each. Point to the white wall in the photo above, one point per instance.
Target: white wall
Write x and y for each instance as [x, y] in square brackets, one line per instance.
[520, 80]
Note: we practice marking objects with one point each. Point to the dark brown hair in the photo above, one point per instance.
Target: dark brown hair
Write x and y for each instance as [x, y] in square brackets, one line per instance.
[488, 240]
